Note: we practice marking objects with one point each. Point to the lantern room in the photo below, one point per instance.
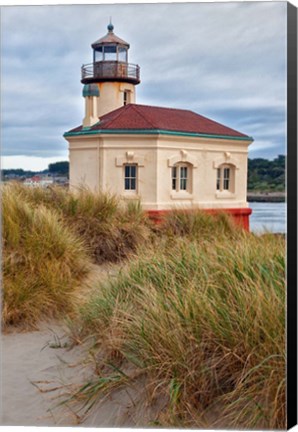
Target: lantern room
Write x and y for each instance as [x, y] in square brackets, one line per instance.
[110, 48]
[110, 61]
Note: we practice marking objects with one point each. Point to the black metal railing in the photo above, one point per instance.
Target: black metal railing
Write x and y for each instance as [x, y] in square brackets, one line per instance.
[110, 70]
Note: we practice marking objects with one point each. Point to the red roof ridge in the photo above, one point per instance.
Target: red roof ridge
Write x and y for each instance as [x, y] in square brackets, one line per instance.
[135, 108]
[115, 115]
[163, 108]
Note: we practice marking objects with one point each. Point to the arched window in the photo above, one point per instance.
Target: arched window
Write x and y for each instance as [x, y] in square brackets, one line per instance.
[182, 177]
[225, 178]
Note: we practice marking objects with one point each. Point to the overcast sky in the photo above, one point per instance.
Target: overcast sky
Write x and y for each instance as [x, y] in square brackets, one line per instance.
[226, 61]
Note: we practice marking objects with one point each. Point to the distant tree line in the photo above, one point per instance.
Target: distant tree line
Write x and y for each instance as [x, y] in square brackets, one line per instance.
[265, 175]
[61, 168]
[57, 168]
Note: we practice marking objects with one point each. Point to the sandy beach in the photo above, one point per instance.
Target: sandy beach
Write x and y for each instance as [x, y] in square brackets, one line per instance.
[38, 369]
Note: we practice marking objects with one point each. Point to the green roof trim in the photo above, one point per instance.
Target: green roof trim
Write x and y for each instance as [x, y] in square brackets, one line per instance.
[153, 132]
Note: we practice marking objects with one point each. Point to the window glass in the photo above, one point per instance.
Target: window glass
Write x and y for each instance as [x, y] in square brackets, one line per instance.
[126, 97]
[183, 178]
[122, 54]
[130, 177]
[98, 54]
[227, 173]
[132, 170]
[126, 184]
[110, 49]
[110, 53]
[226, 179]
[174, 178]
[218, 179]
[127, 170]
[133, 184]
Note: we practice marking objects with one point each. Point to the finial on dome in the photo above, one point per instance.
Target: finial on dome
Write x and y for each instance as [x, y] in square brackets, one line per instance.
[110, 26]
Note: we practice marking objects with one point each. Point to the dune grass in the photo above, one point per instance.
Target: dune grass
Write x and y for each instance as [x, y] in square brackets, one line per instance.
[205, 321]
[50, 236]
[43, 262]
[199, 309]
[110, 228]
[198, 225]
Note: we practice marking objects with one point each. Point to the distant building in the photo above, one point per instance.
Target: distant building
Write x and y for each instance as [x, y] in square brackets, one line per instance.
[60, 179]
[41, 181]
[166, 158]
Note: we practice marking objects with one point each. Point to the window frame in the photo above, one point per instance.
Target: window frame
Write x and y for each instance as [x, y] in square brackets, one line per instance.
[181, 177]
[126, 97]
[225, 178]
[130, 178]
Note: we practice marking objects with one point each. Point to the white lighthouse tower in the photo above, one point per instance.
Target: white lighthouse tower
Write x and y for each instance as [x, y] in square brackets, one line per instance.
[109, 82]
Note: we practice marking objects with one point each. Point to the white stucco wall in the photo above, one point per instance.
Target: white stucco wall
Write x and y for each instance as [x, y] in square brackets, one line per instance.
[84, 163]
[111, 96]
[204, 156]
[97, 161]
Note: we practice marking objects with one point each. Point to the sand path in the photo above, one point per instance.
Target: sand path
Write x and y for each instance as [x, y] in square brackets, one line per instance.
[36, 367]
[32, 361]
[37, 361]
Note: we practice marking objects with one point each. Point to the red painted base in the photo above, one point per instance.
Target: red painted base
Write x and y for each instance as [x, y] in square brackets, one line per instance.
[240, 215]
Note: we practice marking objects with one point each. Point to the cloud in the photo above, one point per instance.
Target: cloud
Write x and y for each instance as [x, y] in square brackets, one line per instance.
[223, 60]
[31, 163]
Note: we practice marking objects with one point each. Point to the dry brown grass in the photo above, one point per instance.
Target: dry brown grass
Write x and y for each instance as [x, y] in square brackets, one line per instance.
[205, 320]
[110, 228]
[43, 262]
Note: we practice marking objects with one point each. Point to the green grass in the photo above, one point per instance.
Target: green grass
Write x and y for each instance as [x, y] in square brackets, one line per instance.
[205, 321]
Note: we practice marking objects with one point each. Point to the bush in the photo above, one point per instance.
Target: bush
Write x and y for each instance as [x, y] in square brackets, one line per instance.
[43, 262]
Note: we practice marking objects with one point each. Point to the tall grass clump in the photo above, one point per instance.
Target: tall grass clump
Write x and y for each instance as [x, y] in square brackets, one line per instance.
[111, 229]
[198, 224]
[43, 262]
[205, 322]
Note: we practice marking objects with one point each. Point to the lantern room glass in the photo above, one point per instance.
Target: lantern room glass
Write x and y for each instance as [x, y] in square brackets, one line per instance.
[122, 54]
[98, 54]
[110, 53]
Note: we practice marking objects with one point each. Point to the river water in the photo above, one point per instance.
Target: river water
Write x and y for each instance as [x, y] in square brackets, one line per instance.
[267, 217]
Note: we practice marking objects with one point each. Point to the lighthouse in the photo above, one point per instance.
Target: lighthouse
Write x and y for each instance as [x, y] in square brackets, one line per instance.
[162, 157]
[109, 81]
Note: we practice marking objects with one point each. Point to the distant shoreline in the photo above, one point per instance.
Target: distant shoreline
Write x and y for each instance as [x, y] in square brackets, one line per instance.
[266, 196]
